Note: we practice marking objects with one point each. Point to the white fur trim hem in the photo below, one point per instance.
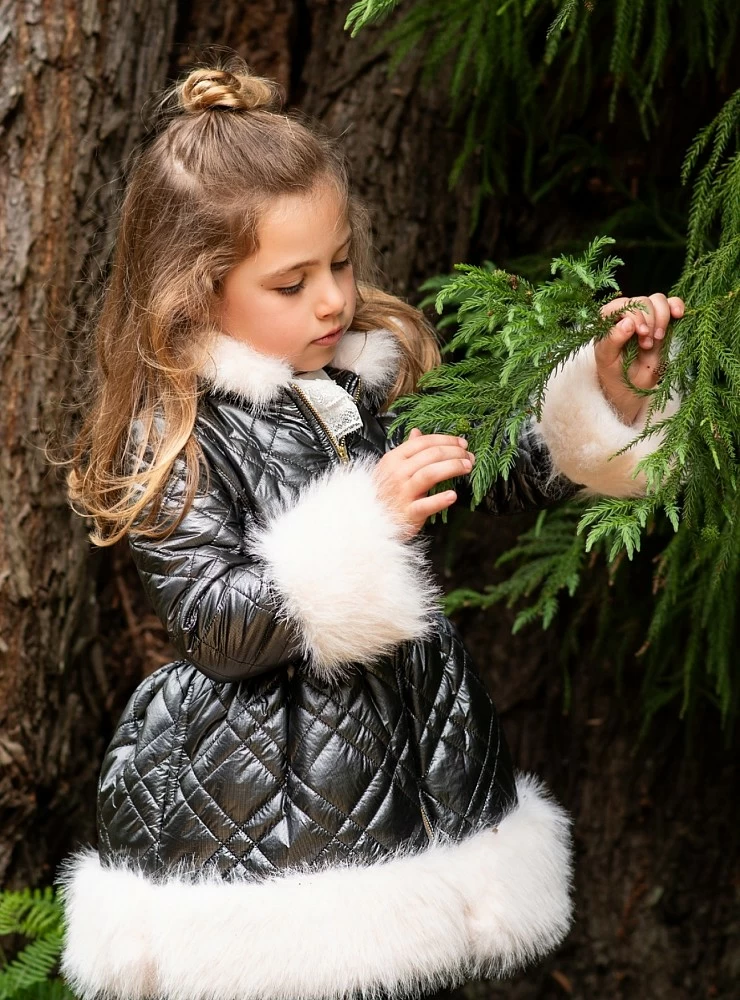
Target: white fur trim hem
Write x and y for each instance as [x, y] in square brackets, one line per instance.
[583, 432]
[484, 906]
[343, 574]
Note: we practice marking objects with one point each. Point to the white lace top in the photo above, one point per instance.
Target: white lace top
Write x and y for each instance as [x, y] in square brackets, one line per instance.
[334, 404]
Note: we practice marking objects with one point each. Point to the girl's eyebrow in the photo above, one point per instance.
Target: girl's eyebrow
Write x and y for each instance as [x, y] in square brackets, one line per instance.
[303, 263]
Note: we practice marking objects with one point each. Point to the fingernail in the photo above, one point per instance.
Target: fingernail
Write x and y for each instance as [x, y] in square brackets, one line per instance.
[463, 442]
[467, 464]
[471, 456]
[648, 343]
[659, 334]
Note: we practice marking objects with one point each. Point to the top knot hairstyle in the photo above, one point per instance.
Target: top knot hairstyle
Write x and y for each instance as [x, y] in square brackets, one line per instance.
[206, 89]
[224, 150]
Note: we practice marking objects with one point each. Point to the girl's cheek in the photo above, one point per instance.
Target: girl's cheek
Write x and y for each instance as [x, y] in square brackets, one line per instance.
[351, 294]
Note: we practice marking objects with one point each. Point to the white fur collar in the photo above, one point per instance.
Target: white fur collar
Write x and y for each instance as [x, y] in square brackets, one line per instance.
[258, 378]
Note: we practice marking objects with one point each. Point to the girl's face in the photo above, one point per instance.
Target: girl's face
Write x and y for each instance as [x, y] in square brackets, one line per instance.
[295, 297]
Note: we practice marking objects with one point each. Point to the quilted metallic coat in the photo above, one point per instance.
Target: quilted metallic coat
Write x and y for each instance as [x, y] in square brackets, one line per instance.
[317, 799]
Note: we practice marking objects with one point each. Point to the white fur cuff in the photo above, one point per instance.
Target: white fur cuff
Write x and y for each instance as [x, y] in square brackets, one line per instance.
[583, 432]
[343, 573]
[456, 910]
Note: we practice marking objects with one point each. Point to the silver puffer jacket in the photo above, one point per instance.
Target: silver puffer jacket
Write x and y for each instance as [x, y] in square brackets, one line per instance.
[317, 799]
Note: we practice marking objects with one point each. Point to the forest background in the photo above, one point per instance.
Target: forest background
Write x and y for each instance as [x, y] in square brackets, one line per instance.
[486, 136]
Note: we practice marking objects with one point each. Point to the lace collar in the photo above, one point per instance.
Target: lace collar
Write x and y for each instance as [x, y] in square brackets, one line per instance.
[334, 404]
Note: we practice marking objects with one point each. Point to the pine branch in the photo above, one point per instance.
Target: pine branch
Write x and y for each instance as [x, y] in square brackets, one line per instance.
[551, 557]
[513, 334]
[367, 12]
[502, 56]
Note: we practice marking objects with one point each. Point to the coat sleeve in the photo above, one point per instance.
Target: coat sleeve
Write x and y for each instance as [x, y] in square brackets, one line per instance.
[213, 597]
[323, 577]
[577, 445]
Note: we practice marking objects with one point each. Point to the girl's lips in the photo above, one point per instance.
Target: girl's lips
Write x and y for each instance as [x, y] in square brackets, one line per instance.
[330, 338]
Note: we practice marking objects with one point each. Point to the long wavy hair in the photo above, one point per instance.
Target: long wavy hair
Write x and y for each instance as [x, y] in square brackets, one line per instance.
[191, 213]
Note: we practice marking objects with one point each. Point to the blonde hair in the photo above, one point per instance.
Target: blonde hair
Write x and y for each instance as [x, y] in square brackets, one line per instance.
[225, 151]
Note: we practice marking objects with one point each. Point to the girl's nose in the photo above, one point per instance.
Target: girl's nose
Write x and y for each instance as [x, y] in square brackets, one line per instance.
[332, 299]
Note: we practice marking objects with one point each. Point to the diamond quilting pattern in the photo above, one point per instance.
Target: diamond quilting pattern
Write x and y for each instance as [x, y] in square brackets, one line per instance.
[258, 775]
[457, 731]
[269, 774]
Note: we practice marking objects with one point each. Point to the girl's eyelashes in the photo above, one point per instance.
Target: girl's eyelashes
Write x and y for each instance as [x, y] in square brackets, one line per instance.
[293, 289]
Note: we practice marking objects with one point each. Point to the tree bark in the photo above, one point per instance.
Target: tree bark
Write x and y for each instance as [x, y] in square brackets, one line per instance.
[73, 76]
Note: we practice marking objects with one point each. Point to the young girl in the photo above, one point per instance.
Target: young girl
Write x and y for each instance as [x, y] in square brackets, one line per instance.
[316, 800]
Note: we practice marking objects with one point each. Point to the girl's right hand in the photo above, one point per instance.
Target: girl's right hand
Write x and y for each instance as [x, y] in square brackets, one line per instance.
[407, 473]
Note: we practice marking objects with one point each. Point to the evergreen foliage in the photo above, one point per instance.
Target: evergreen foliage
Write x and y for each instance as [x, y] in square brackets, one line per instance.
[513, 335]
[35, 914]
[536, 61]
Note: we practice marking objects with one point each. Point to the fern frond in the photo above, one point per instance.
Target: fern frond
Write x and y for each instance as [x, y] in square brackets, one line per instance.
[37, 915]
[31, 966]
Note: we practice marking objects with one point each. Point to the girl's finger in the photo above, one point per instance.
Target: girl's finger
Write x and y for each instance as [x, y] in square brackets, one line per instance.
[420, 441]
[644, 317]
[427, 506]
[610, 347]
[415, 433]
[662, 314]
[423, 480]
[616, 305]
[437, 453]
[677, 306]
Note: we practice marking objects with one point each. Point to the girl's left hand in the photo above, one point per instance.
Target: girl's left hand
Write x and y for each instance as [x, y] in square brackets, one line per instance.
[649, 326]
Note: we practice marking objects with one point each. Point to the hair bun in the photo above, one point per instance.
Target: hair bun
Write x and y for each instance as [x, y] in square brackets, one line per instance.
[204, 89]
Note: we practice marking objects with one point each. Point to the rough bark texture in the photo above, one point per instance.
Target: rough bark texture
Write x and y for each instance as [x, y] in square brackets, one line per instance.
[72, 77]
[656, 830]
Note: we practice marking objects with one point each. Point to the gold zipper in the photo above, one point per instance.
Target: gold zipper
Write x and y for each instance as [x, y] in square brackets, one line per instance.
[339, 446]
[425, 819]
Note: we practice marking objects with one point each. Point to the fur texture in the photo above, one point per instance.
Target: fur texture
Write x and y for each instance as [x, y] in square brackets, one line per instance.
[258, 378]
[374, 356]
[482, 906]
[236, 367]
[357, 598]
[583, 432]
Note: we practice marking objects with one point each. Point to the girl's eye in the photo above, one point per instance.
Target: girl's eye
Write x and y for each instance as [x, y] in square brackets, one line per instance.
[291, 289]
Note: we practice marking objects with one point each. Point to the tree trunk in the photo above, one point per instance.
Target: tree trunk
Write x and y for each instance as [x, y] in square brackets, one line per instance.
[73, 80]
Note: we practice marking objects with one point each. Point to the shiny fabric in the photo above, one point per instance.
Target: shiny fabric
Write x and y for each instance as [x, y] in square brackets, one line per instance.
[235, 756]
